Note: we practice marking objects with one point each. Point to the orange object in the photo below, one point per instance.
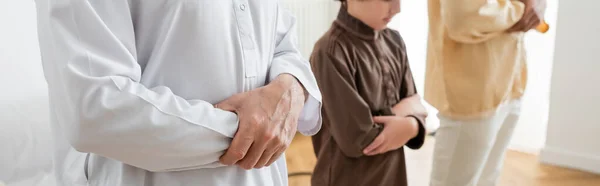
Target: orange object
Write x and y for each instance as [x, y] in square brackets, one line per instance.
[543, 27]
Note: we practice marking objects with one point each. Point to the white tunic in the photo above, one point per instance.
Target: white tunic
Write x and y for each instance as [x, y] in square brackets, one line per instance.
[132, 85]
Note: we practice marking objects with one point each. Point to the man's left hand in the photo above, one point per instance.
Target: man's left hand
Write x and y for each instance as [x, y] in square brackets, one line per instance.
[268, 119]
[532, 17]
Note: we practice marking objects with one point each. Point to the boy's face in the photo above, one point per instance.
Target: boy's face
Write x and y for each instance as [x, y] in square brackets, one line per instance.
[375, 13]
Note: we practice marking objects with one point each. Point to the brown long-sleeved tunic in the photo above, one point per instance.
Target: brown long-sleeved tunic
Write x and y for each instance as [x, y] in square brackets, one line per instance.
[361, 73]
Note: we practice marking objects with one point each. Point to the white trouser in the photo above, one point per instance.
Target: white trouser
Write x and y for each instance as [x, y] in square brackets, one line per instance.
[471, 152]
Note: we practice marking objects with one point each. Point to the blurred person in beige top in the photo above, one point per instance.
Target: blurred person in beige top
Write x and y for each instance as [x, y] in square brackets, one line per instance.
[476, 74]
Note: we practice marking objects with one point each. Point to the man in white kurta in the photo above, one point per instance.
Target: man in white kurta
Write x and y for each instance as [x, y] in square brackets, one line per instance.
[133, 84]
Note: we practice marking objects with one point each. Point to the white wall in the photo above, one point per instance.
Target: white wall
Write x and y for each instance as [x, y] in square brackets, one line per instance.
[530, 134]
[25, 141]
[412, 23]
[573, 138]
[314, 17]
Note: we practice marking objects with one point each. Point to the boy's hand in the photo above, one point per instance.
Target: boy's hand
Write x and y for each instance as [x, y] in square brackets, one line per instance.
[396, 132]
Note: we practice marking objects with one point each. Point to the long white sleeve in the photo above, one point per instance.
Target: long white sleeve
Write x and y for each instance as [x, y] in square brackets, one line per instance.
[287, 59]
[91, 67]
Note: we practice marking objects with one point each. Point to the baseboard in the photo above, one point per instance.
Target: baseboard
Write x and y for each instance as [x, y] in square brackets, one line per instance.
[569, 159]
[524, 149]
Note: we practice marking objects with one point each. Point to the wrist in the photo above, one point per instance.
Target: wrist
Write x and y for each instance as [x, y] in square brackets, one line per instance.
[414, 126]
[289, 83]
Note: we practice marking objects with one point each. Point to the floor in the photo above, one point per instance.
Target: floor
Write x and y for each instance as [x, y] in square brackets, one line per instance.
[520, 169]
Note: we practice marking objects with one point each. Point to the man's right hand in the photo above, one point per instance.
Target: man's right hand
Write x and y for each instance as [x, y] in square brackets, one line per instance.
[532, 17]
[268, 120]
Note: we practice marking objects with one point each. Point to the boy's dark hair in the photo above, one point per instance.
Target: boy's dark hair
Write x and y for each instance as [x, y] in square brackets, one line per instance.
[342, 1]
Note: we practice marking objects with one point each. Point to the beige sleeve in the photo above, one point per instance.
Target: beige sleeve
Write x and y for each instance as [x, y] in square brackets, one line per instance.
[475, 21]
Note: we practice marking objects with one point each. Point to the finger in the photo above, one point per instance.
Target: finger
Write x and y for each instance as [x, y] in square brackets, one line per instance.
[271, 149]
[254, 154]
[264, 159]
[379, 150]
[226, 106]
[230, 104]
[239, 147]
[266, 156]
[513, 28]
[275, 156]
[284, 144]
[531, 20]
[256, 151]
[535, 23]
[383, 119]
[375, 144]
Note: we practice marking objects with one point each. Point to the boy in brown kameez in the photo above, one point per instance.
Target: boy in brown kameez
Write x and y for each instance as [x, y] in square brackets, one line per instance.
[371, 108]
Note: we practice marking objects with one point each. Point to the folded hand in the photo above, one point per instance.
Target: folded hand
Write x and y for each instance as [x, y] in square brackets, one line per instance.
[268, 119]
[397, 131]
